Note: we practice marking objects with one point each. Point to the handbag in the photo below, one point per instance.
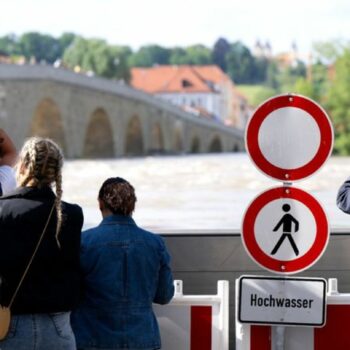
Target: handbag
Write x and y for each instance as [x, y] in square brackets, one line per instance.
[5, 311]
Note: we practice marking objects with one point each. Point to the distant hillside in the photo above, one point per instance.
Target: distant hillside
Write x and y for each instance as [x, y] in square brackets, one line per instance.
[256, 94]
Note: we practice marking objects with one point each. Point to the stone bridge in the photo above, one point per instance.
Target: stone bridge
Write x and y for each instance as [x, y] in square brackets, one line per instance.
[98, 118]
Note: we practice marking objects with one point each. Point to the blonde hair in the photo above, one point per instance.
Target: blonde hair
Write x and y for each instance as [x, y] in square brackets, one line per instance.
[42, 160]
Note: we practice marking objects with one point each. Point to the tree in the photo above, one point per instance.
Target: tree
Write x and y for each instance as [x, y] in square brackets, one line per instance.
[272, 75]
[220, 50]
[195, 54]
[149, 55]
[97, 56]
[339, 103]
[40, 46]
[9, 45]
[327, 52]
[304, 87]
[178, 55]
[289, 75]
[261, 65]
[319, 77]
[65, 40]
[198, 54]
[240, 63]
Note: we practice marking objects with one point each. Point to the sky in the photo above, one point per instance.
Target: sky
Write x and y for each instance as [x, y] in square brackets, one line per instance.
[183, 22]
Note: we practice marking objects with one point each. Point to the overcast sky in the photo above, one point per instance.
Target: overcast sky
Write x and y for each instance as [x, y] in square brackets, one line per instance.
[183, 22]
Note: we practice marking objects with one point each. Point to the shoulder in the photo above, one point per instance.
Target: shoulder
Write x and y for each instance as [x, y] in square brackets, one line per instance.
[72, 208]
[90, 237]
[152, 238]
[73, 211]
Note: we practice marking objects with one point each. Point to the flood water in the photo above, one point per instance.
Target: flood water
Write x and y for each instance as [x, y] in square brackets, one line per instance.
[199, 192]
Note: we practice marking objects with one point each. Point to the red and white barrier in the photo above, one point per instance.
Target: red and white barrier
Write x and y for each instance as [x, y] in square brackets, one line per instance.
[334, 335]
[195, 322]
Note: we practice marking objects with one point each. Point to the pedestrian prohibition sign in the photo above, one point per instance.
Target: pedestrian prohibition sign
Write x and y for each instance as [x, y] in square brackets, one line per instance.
[285, 230]
[289, 137]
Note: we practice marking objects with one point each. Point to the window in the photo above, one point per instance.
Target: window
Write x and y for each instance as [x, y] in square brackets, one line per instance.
[186, 83]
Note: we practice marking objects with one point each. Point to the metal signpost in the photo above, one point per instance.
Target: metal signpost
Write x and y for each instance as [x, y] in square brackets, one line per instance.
[285, 229]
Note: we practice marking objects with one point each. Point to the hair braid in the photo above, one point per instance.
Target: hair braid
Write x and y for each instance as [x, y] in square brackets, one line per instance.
[59, 192]
[28, 160]
[40, 165]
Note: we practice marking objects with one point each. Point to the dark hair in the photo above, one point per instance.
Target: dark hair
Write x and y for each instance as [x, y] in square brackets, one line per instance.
[118, 196]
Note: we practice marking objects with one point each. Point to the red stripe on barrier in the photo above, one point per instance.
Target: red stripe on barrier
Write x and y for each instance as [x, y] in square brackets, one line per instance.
[260, 338]
[201, 327]
[335, 334]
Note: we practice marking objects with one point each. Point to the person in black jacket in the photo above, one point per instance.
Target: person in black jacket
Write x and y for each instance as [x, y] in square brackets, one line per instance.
[50, 290]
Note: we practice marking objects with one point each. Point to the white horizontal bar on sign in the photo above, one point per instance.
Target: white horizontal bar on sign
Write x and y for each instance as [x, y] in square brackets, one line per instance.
[336, 299]
[196, 300]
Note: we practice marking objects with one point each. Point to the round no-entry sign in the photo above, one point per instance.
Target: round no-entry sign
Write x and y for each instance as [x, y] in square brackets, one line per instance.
[285, 230]
[289, 137]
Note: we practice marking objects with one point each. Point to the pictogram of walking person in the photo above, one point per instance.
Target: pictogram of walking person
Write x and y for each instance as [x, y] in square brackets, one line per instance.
[286, 222]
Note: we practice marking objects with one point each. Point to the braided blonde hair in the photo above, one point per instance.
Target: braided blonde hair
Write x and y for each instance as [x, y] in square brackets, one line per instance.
[42, 161]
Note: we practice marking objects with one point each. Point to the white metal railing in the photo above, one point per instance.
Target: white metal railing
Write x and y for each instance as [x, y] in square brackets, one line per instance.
[175, 319]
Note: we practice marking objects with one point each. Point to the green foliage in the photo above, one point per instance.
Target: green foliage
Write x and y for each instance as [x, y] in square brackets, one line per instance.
[220, 50]
[320, 80]
[196, 54]
[328, 51]
[342, 144]
[304, 87]
[339, 103]
[240, 64]
[97, 56]
[244, 68]
[178, 56]
[9, 45]
[65, 40]
[288, 76]
[272, 76]
[149, 55]
[40, 46]
[256, 94]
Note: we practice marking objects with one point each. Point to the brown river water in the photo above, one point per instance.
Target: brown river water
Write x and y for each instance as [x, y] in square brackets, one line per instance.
[194, 193]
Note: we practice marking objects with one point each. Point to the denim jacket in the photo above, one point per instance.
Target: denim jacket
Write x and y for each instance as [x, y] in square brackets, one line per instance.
[125, 269]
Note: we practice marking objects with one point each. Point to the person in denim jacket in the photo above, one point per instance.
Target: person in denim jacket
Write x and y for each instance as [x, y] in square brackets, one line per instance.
[343, 197]
[125, 269]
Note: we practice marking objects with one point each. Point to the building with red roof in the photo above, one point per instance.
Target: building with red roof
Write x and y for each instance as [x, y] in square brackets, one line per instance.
[202, 90]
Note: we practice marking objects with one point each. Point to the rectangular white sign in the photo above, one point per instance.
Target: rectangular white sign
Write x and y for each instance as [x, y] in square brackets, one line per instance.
[282, 300]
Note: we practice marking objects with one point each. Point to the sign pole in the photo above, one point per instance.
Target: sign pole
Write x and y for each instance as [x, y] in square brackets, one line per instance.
[278, 333]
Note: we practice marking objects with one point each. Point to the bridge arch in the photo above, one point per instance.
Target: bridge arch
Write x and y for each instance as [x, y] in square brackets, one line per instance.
[236, 147]
[195, 145]
[134, 145]
[99, 142]
[157, 139]
[215, 145]
[47, 122]
[178, 138]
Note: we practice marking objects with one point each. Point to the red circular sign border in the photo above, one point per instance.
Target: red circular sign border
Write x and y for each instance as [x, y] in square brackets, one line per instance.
[280, 266]
[263, 111]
